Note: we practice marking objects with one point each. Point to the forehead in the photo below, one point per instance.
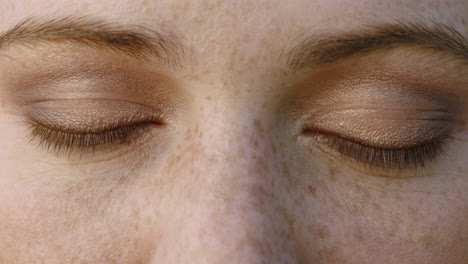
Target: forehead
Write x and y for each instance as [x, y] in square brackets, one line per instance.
[314, 9]
[235, 15]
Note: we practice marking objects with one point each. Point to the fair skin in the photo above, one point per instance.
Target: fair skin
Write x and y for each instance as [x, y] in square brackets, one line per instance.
[223, 170]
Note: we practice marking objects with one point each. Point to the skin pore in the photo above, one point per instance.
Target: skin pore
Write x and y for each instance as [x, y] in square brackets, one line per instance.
[181, 131]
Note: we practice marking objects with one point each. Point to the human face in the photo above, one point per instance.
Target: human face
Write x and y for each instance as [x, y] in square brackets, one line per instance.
[179, 131]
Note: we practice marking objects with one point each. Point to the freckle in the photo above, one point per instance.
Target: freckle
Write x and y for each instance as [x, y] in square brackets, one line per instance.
[328, 253]
[365, 193]
[208, 98]
[358, 234]
[257, 123]
[398, 197]
[383, 195]
[312, 190]
[428, 239]
[199, 20]
[246, 38]
[186, 6]
[148, 220]
[135, 213]
[376, 206]
[323, 232]
[273, 148]
[252, 60]
[285, 169]
[393, 228]
[254, 141]
[332, 171]
[188, 134]
[332, 175]
[196, 77]
[173, 160]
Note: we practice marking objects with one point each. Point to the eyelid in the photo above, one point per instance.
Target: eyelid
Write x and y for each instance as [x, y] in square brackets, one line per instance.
[378, 144]
[72, 75]
[74, 125]
[392, 163]
[91, 114]
[68, 142]
[379, 133]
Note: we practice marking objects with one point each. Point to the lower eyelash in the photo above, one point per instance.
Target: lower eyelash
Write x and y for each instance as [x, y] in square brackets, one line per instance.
[414, 157]
[61, 142]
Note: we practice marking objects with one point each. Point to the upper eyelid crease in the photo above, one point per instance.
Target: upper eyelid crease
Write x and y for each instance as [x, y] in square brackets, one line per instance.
[137, 41]
[442, 114]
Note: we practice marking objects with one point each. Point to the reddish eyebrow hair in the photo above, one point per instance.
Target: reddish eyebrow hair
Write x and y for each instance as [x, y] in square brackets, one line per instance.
[137, 41]
[315, 50]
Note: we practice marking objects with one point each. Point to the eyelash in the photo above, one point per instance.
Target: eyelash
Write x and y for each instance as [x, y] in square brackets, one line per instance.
[61, 141]
[414, 157]
[65, 142]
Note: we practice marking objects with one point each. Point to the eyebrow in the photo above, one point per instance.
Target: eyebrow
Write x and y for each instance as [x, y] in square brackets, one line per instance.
[137, 41]
[142, 42]
[315, 50]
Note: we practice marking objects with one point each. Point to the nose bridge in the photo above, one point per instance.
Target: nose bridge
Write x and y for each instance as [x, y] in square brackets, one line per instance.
[231, 148]
[236, 162]
[229, 212]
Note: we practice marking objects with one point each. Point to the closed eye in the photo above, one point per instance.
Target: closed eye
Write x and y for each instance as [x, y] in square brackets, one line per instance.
[63, 141]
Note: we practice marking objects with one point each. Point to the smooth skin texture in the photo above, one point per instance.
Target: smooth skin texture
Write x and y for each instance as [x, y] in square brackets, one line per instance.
[229, 179]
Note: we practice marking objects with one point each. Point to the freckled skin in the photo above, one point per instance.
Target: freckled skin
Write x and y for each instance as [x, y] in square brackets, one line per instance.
[230, 186]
